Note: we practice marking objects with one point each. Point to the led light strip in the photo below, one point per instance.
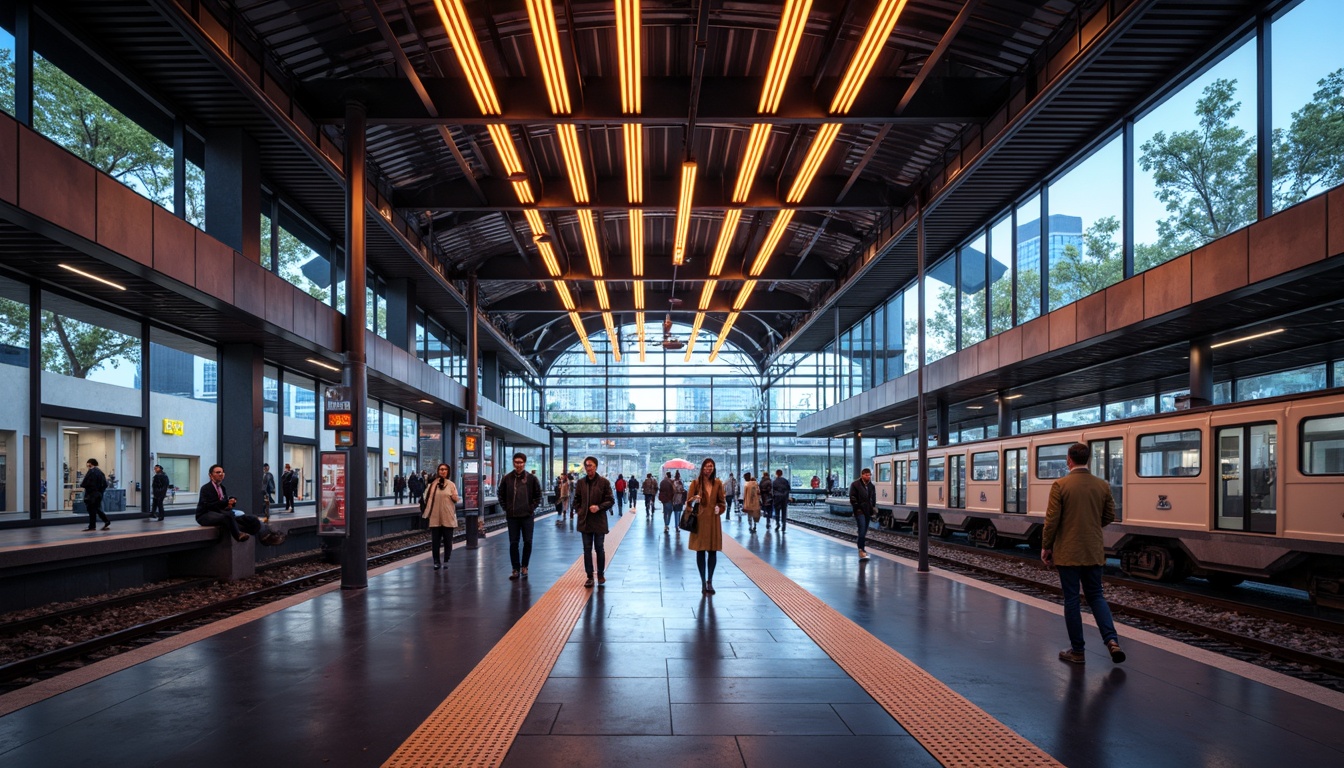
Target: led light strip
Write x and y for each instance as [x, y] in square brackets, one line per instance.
[743, 294]
[777, 228]
[91, 276]
[695, 332]
[792, 22]
[705, 293]
[534, 221]
[590, 241]
[723, 335]
[639, 294]
[634, 162]
[460, 34]
[541, 15]
[751, 161]
[583, 336]
[628, 54]
[548, 258]
[636, 242]
[639, 326]
[508, 155]
[731, 218]
[569, 147]
[821, 144]
[684, 212]
[562, 290]
[611, 336]
[603, 300]
[879, 29]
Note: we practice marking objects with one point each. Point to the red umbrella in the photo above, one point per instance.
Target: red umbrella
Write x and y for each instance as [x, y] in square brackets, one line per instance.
[678, 464]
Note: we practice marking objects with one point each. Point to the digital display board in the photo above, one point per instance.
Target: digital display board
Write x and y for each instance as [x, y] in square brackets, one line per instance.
[337, 420]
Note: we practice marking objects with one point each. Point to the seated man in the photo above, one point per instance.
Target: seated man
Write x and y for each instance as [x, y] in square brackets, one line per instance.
[214, 506]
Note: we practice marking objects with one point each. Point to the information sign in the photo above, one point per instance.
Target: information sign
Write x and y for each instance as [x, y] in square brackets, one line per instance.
[338, 408]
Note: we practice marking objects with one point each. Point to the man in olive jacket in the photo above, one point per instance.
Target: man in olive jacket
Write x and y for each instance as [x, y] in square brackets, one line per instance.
[593, 500]
[1080, 504]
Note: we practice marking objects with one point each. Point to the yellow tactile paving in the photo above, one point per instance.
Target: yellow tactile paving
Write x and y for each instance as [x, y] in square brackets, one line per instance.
[952, 729]
[475, 726]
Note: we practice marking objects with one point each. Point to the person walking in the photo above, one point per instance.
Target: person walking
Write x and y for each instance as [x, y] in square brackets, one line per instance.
[158, 489]
[593, 500]
[94, 484]
[650, 488]
[562, 489]
[1071, 543]
[863, 501]
[706, 540]
[666, 490]
[751, 501]
[729, 490]
[439, 508]
[678, 497]
[767, 498]
[267, 490]
[780, 488]
[519, 496]
[289, 487]
[398, 487]
[620, 495]
[416, 487]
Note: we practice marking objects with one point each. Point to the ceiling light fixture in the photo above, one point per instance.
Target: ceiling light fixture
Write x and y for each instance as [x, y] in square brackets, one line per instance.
[423, 400]
[323, 364]
[695, 334]
[634, 162]
[534, 221]
[562, 289]
[1243, 338]
[513, 166]
[706, 293]
[731, 218]
[583, 336]
[611, 336]
[1012, 397]
[639, 294]
[751, 161]
[743, 294]
[569, 147]
[82, 273]
[639, 328]
[460, 34]
[792, 22]
[628, 54]
[684, 212]
[603, 300]
[637, 242]
[723, 335]
[541, 14]
[548, 257]
[821, 144]
[589, 229]
[975, 407]
[777, 229]
[874, 39]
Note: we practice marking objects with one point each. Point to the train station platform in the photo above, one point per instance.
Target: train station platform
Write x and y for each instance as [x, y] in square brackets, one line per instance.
[804, 657]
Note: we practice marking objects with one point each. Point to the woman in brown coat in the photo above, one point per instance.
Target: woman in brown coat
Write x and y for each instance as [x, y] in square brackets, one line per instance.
[751, 501]
[707, 491]
[441, 511]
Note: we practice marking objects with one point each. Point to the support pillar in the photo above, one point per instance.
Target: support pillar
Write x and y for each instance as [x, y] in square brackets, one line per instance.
[354, 562]
[1201, 373]
[944, 415]
[401, 317]
[241, 439]
[233, 191]
[1005, 414]
[922, 426]
[858, 455]
[473, 394]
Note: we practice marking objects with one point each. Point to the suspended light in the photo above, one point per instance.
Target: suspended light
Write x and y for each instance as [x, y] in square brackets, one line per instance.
[874, 38]
[639, 326]
[603, 300]
[541, 15]
[706, 293]
[821, 144]
[583, 336]
[460, 34]
[611, 336]
[741, 300]
[792, 22]
[636, 242]
[562, 290]
[695, 333]
[731, 218]
[628, 54]
[634, 162]
[513, 166]
[684, 212]
[751, 160]
[569, 147]
[723, 335]
[772, 237]
[589, 229]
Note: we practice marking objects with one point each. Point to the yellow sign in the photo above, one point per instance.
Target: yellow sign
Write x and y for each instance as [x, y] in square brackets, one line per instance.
[172, 427]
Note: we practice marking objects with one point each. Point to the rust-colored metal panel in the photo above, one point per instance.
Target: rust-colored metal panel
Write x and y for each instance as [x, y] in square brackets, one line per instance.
[1334, 204]
[1124, 303]
[1063, 326]
[57, 186]
[279, 301]
[1288, 240]
[328, 328]
[968, 362]
[989, 354]
[1035, 337]
[1010, 346]
[305, 315]
[1166, 287]
[9, 159]
[174, 246]
[249, 288]
[125, 220]
[214, 267]
[1220, 266]
[941, 373]
[1091, 316]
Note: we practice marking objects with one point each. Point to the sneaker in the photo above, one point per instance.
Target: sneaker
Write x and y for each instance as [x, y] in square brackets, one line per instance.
[437, 565]
[513, 576]
[863, 555]
[601, 579]
[664, 529]
[589, 582]
[1117, 655]
[523, 573]
[106, 526]
[1072, 656]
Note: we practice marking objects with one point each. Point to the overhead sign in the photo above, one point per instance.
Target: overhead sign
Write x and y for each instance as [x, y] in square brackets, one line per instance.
[338, 407]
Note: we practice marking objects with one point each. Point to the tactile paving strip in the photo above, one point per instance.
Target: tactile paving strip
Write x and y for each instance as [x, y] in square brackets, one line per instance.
[952, 729]
[475, 726]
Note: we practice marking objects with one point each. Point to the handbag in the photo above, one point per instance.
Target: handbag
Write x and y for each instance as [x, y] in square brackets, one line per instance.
[690, 518]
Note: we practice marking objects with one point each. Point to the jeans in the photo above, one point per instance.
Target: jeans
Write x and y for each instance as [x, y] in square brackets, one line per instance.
[594, 541]
[520, 526]
[1090, 577]
[667, 514]
[648, 503]
[863, 521]
[782, 514]
[620, 500]
[441, 536]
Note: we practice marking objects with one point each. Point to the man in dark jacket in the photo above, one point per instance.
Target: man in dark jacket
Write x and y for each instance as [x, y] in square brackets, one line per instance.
[416, 486]
[519, 496]
[289, 486]
[268, 490]
[593, 500]
[94, 483]
[650, 488]
[665, 489]
[863, 500]
[780, 499]
[158, 489]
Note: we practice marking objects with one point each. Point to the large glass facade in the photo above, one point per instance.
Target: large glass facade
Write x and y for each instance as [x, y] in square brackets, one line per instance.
[1086, 227]
[1307, 102]
[183, 413]
[14, 427]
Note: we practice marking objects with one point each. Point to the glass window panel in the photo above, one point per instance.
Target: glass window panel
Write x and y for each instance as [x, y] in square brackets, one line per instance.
[877, 346]
[974, 282]
[937, 469]
[1001, 275]
[1306, 379]
[1323, 446]
[1167, 402]
[894, 337]
[1078, 417]
[985, 466]
[1029, 260]
[864, 350]
[6, 70]
[91, 358]
[14, 366]
[266, 255]
[1126, 409]
[940, 322]
[299, 406]
[911, 328]
[1194, 175]
[1222, 392]
[304, 267]
[1169, 454]
[1052, 461]
[1307, 108]
[195, 181]
[1086, 206]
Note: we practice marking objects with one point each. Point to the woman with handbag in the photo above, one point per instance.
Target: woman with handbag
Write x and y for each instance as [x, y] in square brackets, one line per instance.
[706, 493]
[751, 501]
[439, 507]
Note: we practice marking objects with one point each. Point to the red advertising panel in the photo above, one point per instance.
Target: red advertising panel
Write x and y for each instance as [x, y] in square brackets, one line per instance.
[471, 486]
[331, 494]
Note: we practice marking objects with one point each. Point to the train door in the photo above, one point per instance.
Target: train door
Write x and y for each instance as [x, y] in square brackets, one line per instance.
[1247, 493]
[1015, 480]
[902, 477]
[1108, 463]
[957, 495]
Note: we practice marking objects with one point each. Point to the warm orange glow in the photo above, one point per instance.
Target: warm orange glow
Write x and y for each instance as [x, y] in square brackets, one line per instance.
[628, 54]
[821, 144]
[777, 229]
[508, 156]
[731, 218]
[723, 335]
[636, 242]
[541, 14]
[534, 221]
[751, 161]
[562, 290]
[590, 241]
[865, 56]
[603, 300]
[634, 162]
[706, 293]
[639, 327]
[639, 294]
[569, 147]
[695, 333]
[463, 38]
[548, 258]
[684, 212]
[742, 295]
[792, 22]
[611, 336]
[583, 336]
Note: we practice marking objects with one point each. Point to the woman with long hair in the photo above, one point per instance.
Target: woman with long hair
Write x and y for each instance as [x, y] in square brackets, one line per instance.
[751, 501]
[441, 501]
[707, 540]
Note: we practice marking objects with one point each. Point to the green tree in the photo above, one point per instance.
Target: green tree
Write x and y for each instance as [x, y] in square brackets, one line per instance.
[1083, 273]
[1309, 154]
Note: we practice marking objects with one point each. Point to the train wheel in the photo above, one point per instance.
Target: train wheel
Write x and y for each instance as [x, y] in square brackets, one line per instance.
[1152, 562]
[938, 529]
[986, 536]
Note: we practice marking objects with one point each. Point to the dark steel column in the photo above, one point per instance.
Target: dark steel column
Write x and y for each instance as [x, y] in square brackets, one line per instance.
[34, 455]
[473, 399]
[858, 455]
[944, 415]
[739, 458]
[23, 68]
[1005, 414]
[241, 423]
[922, 428]
[1201, 373]
[354, 563]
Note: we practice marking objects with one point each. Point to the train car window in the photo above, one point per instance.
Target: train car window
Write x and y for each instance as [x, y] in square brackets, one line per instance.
[914, 470]
[1052, 461]
[936, 470]
[1170, 454]
[1108, 463]
[1323, 446]
[985, 466]
[884, 472]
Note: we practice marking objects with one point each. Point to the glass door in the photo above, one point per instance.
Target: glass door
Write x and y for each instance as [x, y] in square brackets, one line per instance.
[1247, 495]
[958, 494]
[1015, 480]
[1108, 463]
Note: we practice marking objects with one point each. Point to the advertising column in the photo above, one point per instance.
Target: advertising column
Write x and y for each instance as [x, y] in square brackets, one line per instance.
[470, 469]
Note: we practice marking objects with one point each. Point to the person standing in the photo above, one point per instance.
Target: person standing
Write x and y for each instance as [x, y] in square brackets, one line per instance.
[398, 487]
[779, 499]
[650, 488]
[1071, 543]
[863, 500]
[289, 486]
[94, 483]
[267, 490]
[158, 489]
[666, 490]
[706, 540]
[593, 500]
[620, 495]
[767, 498]
[562, 488]
[519, 496]
[416, 487]
[678, 497]
[830, 483]
[440, 510]
[729, 490]
[751, 501]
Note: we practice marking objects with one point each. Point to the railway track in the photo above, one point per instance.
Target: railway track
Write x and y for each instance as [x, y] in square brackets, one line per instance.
[38, 666]
[1324, 670]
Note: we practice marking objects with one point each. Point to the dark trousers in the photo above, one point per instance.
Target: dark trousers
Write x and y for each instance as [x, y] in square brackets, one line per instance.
[441, 536]
[226, 520]
[398, 495]
[289, 501]
[863, 521]
[95, 506]
[593, 541]
[1070, 577]
[667, 514]
[156, 508]
[648, 503]
[782, 514]
[520, 527]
